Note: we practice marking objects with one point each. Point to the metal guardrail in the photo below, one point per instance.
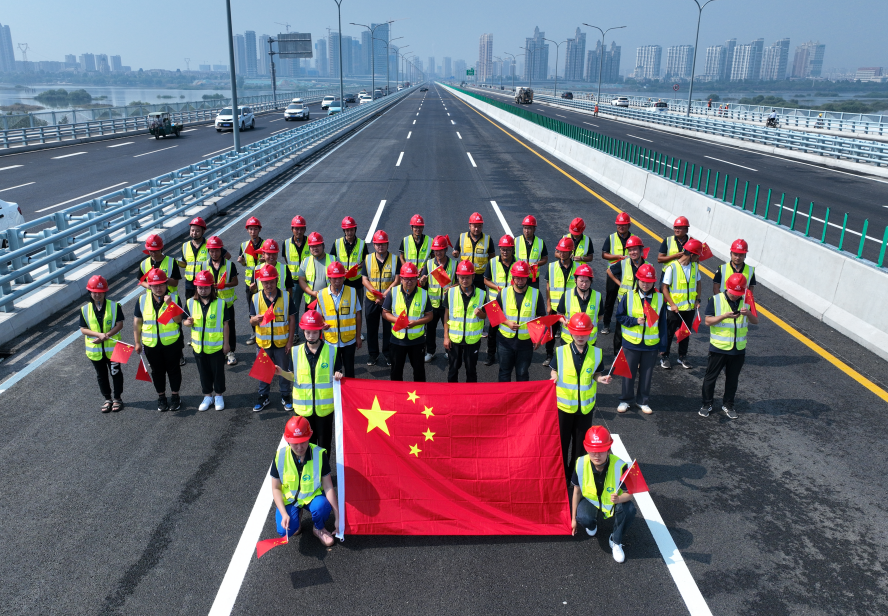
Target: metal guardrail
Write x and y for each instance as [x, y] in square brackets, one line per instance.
[86, 232]
[857, 150]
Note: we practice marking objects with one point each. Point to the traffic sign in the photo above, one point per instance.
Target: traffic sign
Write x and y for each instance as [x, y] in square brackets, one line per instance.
[470, 71]
[675, 87]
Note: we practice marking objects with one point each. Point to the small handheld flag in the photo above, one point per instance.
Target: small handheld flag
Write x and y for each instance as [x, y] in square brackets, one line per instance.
[263, 368]
[142, 373]
[352, 271]
[683, 332]
[633, 480]
[402, 322]
[267, 316]
[266, 544]
[251, 251]
[650, 315]
[440, 275]
[647, 251]
[539, 332]
[313, 305]
[696, 324]
[169, 313]
[620, 366]
[221, 284]
[534, 271]
[750, 301]
[494, 313]
[122, 352]
[706, 254]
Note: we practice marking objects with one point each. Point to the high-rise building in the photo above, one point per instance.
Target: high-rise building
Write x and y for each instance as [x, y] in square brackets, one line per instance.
[610, 63]
[774, 61]
[71, 61]
[357, 62]
[647, 62]
[536, 56]
[380, 38]
[431, 67]
[251, 57]
[366, 50]
[459, 70]
[240, 54]
[7, 55]
[747, 64]
[116, 64]
[714, 67]
[87, 62]
[730, 47]
[263, 61]
[808, 60]
[102, 64]
[447, 68]
[869, 73]
[321, 63]
[333, 55]
[574, 57]
[679, 61]
[485, 57]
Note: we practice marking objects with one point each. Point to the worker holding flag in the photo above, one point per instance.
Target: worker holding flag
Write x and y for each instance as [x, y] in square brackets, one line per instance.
[680, 287]
[210, 324]
[436, 277]
[598, 491]
[380, 277]
[532, 249]
[582, 298]
[100, 322]
[408, 309]
[475, 246]
[225, 276]
[520, 303]
[613, 250]
[313, 270]
[584, 251]
[498, 276]
[297, 250]
[736, 265]
[463, 322]
[272, 314]
[340, 306]
[559, 280]
[623, 273]
[350, 250]
[194, 252]
[250, 258]
[416, 247]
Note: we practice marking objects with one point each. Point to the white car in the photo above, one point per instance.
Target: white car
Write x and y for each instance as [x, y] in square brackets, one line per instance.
[621, 101]
[364, 98]
[296, 111]
[10, 216]
[296, 100]
[658, 106]
[225, 119]
[325, 104]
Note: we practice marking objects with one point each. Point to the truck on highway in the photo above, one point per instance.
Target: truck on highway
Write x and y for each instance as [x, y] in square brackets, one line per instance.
[523, 96]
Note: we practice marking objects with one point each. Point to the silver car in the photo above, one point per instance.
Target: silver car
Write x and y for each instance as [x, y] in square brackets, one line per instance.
[296, 111]
[224, 121]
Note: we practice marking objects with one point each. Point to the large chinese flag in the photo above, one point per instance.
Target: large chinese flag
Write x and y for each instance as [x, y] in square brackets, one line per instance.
[451, 459]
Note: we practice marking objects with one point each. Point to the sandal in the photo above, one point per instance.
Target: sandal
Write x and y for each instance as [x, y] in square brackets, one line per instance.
[118, 404]
[106, 408]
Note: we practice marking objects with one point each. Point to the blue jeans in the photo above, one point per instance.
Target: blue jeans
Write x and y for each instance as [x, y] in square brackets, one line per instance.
[281, 358]
[320, 509]
[519, 359]
[624, 513]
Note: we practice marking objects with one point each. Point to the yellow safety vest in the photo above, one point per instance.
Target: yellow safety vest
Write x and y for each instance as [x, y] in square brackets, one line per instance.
[573, 391]
[228, 294]
[249, 262]
[301, 489]
[343, 322]
[611, 482]
[476, 253]
[193, 258]
[672, 246]
[572, 306]
[683, 291]
[501, 276]
[557, 284]
[730, 332]
[616, 240]
[317, 398]
[93, 350]
[351, 258]
[416, 311]
[638, 333]
[581, 247]
[278, 330]
[295, 257]
[436, 291]
[151, 329]
[727, 270]
[536, 250]
[310, 266]
[411, 255]
[627, 282]
[166, 265]
[526, 313]
[207, 337]
[380, 276]
[463, 322]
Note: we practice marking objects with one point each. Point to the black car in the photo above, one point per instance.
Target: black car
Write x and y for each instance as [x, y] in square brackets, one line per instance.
[567, 95]
[423, 89]
[351, 98]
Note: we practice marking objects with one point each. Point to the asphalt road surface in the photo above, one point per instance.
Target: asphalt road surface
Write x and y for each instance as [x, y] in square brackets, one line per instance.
[139, 512]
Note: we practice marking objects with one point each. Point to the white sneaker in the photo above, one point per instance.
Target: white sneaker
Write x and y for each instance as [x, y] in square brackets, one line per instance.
[624, 406]
[592, 532]
[429, 357]
[220, 403]
[617, 548]
[645, 409]
[205, 405]
[362, 337]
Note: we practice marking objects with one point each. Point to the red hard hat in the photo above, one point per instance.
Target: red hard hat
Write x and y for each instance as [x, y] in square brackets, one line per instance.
[740, 247]
[681, 221]
[380, 237]
[349, 223]
[267, 272]
[97, 284]
[417, 221]
[465, 268]
[646, 273]
[520, 269]
[204, 279]
[156, 276]
[694, 247]
[336, 270]
[577, 226]
[634, 240]
[583, 269]
[580, 324]
[269, 245]
[623, 219]
[507, 241]
[214, 242]
[408, 270]
[153, 242]
[736, 284]
[199, 222]
[298, 221]
[315, 239]
[529, 221]
[476, 219]
[439, 243]
[252, 221]
[312, 319]
[297, 430]
[598, 439]
[565, 244]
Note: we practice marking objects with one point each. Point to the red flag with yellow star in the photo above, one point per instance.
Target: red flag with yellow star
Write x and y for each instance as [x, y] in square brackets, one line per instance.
[450, 459]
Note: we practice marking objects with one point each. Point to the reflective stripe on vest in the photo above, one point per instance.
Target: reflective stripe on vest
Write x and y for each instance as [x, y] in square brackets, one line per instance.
[210, 337]
[672, 246]
[476, 253]
[193, 258]
[462, 321]
[228, 294]
[342, 320]
[725, 337]
[501, 277]
[683, 291]
[295, 257]
[93, 350]
[557, 284]
[317, 398]
[611, 484]
[417, 306]
[249, 263]
[572, 306]
[310, 266]
[436, 291]
[151, 329]
[627, 282]
[616, 240]
[166, 265]
[411, 255]
[573, 392]
[527, 312]
[278, 330]
[301, 489]
[536, 250]
[380, 277]
[351, 258]
[637, 333]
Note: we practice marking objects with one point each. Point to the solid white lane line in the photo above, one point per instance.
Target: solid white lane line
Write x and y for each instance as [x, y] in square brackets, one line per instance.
[727, 162]
[52, 207]
[460, 136]
[117, 145]
[636, 137]
[676, 565]
[278, 131]
[398, 164]
[278, 120]
[68, 155]
[409, 133]
[590, 124]
[11, 167]
[375, 222]
[217, 151]
[472, 160]
[19, 186]
[190, 130]
[156, 151]
[502, 219]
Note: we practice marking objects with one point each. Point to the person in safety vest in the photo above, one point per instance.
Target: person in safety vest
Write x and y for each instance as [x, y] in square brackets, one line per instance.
[623, 273]
[584, 251]
[728, 320]
[681, 290]
[269, 253]
[225, 275]
[316, 364]
[475, 246]
[532, 249]
[276, 336]
[598, 493]
[582, 298]
[100, 323]
[340, 305]
[313, 271]
[194, 253]
[162, 344]
[408, 342]
[300, 476]
[350, 250]
[559, 280]
[463, 322]
[737, 265]
[576, 370]
[641, 342]
[297, 251]
[416, 248]
[437, 292]
[498, 276]
[613, 250]
[157, 260]
[251, 262]
[379, 276]
[520, 303]
[210, 323]
[672, 248]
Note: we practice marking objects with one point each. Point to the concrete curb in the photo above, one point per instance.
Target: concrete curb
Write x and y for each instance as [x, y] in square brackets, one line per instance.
[843, 292]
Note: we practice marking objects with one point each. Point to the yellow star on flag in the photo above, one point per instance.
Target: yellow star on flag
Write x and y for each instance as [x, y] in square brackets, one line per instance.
[415, 450]
[412, 397]
[428, 434]
[376, 417]
[428, 412]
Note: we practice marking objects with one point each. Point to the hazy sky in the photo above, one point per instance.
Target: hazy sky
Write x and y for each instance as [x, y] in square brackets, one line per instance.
[853, 30]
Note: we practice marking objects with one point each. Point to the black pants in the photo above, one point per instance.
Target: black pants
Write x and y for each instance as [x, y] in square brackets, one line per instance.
[673, 324]
[347, 353]
[250, 295]
[416, 354]
[164, 362]
[732, 364]
[232, 330]
[432, 329]
[641, 363]
[556, 336]
[211, 368]
[460, 354]
[573, 427]
[372, 316]
[321, 430]
[491, 340]
[610, 298]
[358, 285]
[518, 357]
[103, 367]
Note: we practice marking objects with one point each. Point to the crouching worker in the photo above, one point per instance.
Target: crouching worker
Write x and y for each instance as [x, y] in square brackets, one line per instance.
[597, 490]
[300, 477]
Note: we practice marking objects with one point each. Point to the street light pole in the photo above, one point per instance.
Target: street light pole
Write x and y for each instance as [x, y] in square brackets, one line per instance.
[601, 55]
[512, 69]
[372, 56]
[530, 69]
[398, 52]
[339, 14]
[388, 61]
[557, 46]
[235, 116]
[696, 44]
[501, 69]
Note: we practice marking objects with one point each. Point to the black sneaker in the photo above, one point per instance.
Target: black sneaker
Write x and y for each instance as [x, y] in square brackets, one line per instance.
[182, 360]
[175, 402]
[371, 361]
[705, 410]
[604, 331]
[491, 359]
[547, 360]
[260, 404]
[162, 404]
[728, 408]
[388, 362]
